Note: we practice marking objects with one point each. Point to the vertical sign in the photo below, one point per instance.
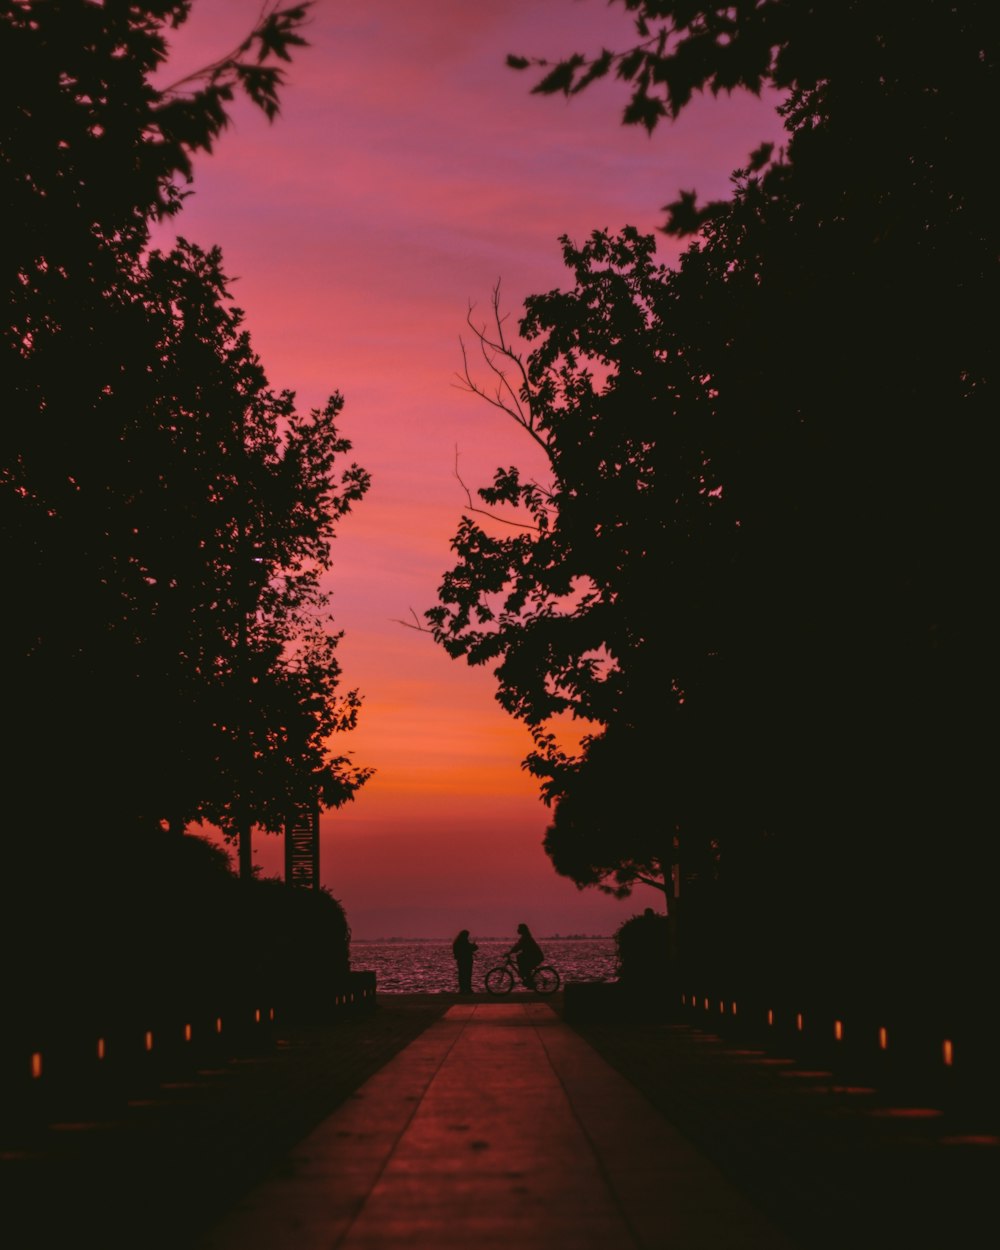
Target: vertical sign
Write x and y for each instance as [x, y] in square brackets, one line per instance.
[302, 846]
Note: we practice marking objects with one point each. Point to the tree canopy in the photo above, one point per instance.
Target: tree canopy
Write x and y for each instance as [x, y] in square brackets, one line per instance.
[166, 517]
[757, 569]
[612, 607]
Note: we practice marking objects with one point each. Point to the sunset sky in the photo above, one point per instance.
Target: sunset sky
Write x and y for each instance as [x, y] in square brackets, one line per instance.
[408, 172]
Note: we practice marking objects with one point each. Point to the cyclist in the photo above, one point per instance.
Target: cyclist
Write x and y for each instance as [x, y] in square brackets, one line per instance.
[527, 953]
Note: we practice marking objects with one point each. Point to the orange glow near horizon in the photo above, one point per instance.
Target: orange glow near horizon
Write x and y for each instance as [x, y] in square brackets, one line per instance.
[368, 296]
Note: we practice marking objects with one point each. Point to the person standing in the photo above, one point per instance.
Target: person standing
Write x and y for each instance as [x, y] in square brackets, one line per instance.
[464, 950]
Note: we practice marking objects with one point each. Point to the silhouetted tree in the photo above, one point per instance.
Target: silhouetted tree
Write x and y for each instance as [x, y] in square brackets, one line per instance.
[165, 517]
[242, 501]
[805, 413]
[611, 604]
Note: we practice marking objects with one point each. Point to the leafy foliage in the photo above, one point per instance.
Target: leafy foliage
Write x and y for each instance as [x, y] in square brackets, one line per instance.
[165, 516]
[147, 927]
[758, 567]
[570, 610]
[642, 945]
[864, 73]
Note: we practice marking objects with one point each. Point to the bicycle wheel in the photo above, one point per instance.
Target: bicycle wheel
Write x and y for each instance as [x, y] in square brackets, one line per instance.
[499, 980]
[545, 980]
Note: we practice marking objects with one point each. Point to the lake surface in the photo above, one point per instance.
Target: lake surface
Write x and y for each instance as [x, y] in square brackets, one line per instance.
[428, 967]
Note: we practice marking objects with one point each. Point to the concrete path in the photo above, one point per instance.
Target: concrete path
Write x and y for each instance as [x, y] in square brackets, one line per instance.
[497, 1127]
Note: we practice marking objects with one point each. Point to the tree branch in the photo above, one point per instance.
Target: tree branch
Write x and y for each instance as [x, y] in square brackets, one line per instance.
[414, 624]
[269, 11]
[657, 885]
[482, 511]
[513, 400]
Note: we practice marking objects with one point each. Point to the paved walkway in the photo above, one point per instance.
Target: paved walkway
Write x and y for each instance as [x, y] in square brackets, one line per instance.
[499, 1126]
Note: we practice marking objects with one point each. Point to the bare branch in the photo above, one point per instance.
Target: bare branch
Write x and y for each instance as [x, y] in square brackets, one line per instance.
[512, 397]
[482, 511]
[414, 624]
[657, 885]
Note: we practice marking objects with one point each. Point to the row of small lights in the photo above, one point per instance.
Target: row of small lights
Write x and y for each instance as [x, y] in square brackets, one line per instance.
[947, 1047]
[36, 1058]
[148, 1041]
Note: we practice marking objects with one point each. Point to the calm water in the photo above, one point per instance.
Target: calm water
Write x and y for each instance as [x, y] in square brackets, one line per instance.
[429, 967]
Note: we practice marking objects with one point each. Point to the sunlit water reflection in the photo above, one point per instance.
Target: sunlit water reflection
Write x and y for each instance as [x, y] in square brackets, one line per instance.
[427, 967]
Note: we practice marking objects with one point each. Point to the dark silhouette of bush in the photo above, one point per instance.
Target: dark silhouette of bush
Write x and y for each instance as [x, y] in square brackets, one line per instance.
[152, 926]
[642, 947]
[300, 944]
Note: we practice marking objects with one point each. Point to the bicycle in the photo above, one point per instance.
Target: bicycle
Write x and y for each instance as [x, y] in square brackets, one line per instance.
[501, 979]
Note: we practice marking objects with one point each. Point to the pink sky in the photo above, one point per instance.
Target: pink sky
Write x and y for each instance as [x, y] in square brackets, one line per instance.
[408, 171]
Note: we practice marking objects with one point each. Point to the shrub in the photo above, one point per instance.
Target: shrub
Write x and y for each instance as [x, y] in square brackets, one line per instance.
[642, 950]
